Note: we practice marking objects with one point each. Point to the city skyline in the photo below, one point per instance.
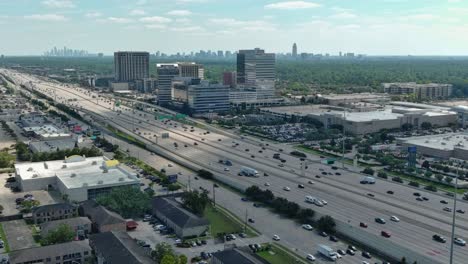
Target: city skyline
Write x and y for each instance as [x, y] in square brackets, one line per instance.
[389, 27]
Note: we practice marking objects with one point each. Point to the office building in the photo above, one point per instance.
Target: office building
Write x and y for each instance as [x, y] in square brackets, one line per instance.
[462, 115]
[180, 87]
[255, 65]
[229, 78]
[53, 212]
[442, 146]
[63, 253]
[77, 177]
[166, 73]
[294, 50]
[420, 91]
[191, 69]
[131, 65]
[208, 97]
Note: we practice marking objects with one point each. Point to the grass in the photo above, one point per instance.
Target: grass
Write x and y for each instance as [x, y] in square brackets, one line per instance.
[5, 241]
[221, 222]
[280, 256]
[126, 137]
[440, 186]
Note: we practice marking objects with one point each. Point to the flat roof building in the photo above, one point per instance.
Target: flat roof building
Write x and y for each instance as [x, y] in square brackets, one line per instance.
[63, 253]
[208, 97]
[255, 65]
[77, 177]
[344, 99]
[166, 73]
[191, 69]
[443, 146]
[462, 115]
[131, 65]
[421, 91]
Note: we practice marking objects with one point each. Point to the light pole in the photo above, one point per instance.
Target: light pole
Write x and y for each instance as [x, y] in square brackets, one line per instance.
[344, 137]
[453, 215]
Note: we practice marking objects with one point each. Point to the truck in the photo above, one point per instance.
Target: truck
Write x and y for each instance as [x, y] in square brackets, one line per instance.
[327, 252]
[172, 178]
[368, 180]
[246, 171]
[276, 156]
[313, 200]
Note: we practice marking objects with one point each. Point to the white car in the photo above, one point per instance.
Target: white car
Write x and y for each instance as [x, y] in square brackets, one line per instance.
[287, 189]
[365, 262]
[310, 257]
[307, 227]
[276, 238]
[226, 169]
[394, 218]
[267, 184]
[324, 202]
[459, 241]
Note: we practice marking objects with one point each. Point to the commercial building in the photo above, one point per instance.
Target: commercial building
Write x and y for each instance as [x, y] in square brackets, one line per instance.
[166, 73]
[52, 212]
[179, 88]
[443, 146]
[64, 253]
[345, 99]
[462, 115]
[255, 65]
[234, 256]
[420, 91]
[146, 85]
[80, 225]
[230, 78]
[191, 69]
[52, 145]
[208, 97]
[184, 223]
[118, 248]
[131, 65]
[102, 219]
[77, 177]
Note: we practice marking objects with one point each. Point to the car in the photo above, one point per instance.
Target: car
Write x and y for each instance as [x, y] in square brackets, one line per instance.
[447, 209]
[425, 199]
[310, 257]
[307, 227]
[460, 211]
[439, 238]
[310, 182]
[324, 234]
[324, 202]
[419, 199]
[256, 205]
[247, 150]
[362, 224]
[443, 202]
[252, 247]
[243, 235]
[366, 254]
[286, 188]
[364, 262]
[226, 169]
[324, 173]
[385, 234]
[459, 241]
[380, 220]
[341, 252]
[390, 192]
[281, 165]
[337, 174]
[244, 199]
[350, 252]
[416, 194]
[147, 218]
[318, 176]
[353, 248]
[251, 220]
[193, 244]
[300, 186]
[252, 156]
[196, 178]
[169, 165]
[370, 195]
[333, 238]
[276, 238]
[394, 218]
[267, 184]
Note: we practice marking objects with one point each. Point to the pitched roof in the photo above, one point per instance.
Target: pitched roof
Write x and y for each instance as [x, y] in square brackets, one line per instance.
[99, 214]
[36, 253]
[76, 221]
[235, 256]
[119, 248]
[178, 215]
[53, 207]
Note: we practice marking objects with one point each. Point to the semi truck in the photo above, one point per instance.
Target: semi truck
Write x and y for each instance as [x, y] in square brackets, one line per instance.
[246, 171]
[327, 252]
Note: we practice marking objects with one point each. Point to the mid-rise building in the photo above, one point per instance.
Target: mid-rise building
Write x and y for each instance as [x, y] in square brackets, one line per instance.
[229, 78]
[191, 69]
[255, 65]
[420, 91]
[180, 87]
[131, 65]
[208, 97]
[462, 115]
[166, 73]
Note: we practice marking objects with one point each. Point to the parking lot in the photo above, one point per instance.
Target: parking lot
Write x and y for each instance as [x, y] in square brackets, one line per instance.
[7, 197]
[18, 234]
[146, 233]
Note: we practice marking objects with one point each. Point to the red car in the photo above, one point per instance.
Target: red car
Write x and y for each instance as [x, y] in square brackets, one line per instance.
[363, 225]
[385, 234]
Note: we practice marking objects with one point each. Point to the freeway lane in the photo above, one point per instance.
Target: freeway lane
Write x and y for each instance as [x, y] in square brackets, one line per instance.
[343, 202]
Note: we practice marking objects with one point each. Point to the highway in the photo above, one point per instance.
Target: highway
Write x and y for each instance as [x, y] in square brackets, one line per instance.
[347, 199]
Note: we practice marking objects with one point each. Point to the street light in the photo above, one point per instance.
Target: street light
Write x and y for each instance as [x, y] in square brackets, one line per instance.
[453, 214]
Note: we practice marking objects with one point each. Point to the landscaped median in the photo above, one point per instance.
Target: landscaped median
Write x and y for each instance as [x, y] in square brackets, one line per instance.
[126, 137]
[276, 254]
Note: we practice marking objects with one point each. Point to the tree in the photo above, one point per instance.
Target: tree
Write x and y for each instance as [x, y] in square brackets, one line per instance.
[160, 251]
[439, 177]
[428, 174]
[326, 223]
[128, 201]
[382, 174]
[63, 233]
[305, 215]
[403, 260]
[168, 259]
[407, 127]
[183, 259]
[27, 205]
[448, 179]
[5, 159]
[195, 201]
[368, 170]
[425, 164]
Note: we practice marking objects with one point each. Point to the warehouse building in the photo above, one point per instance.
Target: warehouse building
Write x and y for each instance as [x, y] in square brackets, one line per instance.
[76, 177]
[443, 146]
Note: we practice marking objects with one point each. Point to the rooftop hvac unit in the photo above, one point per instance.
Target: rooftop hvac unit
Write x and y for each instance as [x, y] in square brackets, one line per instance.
[121, 179]
[35, 176]
[64, 166]
[443, 143]
[427, 141]
[73, 175]
[46, 166]
[94, 163]
[30, 169]
[100, 182]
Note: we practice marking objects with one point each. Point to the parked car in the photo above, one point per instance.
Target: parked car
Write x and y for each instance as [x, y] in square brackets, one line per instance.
[276, 238]
[307, 227]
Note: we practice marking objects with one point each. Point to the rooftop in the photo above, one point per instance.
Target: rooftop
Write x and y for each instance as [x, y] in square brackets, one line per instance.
[448, 141]
[99, 214]
[30, 254]
[235, 256]
[76, 221]
[174, 211]
[77, 171]
[354, 96]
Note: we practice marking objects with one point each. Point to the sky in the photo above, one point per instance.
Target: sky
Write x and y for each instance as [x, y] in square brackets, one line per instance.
[372, 27]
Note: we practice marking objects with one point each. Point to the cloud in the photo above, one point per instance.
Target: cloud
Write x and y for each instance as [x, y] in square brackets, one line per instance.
[120, 20]
[240, 25]
[188, 29]
[156, 26]
[179, 13]
[46, 17]
[155, 19]
[454, 1]
[93, 14]
[58, 3]
[137, 12]
[343, 15]
[141, 2]
[420, 17]
[183, 20]
[292, 5]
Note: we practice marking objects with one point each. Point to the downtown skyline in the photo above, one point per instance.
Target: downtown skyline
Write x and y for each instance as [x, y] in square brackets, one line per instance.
[383, 27]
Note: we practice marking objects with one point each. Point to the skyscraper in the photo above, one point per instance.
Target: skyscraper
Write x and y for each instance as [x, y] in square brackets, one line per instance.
[131, 66]
[254, 66]
[294, 50]
[166, 72]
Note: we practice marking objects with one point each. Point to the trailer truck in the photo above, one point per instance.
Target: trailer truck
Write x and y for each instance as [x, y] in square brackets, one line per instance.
[327, 252]
[246, 171]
